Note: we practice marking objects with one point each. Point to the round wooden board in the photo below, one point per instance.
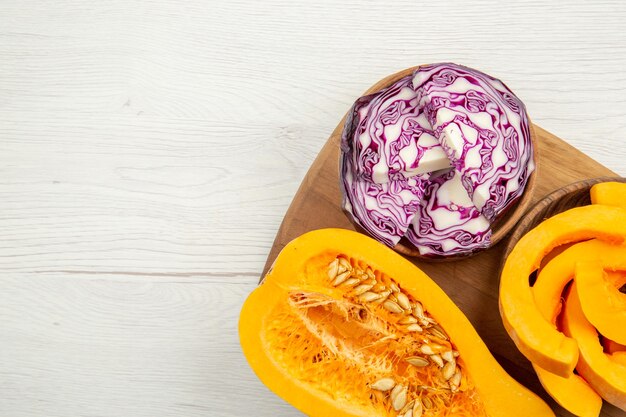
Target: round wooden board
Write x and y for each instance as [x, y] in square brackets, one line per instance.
[472, 282]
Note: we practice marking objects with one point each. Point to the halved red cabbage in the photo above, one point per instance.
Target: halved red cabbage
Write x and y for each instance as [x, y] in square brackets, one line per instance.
[447, 222]
[389, 145]
[393, 139]
[484, 129]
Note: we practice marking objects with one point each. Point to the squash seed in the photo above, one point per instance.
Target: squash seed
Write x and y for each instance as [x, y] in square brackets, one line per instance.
[407, 407]
[417, 408]
[370, 273]
[383, 384]
[437, 359]
[448, 370]
[345, 264]
[394, 287]
[341, 278]
[409, 413]
[418, 310]
[427, 350]
[351, 282]
[448, 356]
[367, 297]
[414, 327]
[417, 361]
[392, 307]
[398, 397]
[437, 331]
[333, 269]
[437, 348]
[363, 288]
[407, 320]
[403, 301]
[383, 296]
[455, 381]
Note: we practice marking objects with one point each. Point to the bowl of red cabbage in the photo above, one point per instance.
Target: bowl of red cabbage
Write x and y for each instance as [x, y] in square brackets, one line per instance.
[439, 163]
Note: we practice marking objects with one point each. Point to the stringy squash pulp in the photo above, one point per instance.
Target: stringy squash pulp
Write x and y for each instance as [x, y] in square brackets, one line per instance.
[343, 326]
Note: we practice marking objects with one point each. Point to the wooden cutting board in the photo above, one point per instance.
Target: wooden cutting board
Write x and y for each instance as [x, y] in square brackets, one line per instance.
[472, 282]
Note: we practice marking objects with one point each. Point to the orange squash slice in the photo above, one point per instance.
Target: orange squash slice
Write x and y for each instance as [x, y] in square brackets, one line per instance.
[556, 274]
[609, 194]
[603, 305]
[535, 336]
[573, 393]
[606, 376]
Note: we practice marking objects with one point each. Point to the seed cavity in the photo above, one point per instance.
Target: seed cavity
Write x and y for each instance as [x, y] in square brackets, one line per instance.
[430, 344]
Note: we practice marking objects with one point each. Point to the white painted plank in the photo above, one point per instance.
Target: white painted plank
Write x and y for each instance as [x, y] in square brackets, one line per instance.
[111, 345]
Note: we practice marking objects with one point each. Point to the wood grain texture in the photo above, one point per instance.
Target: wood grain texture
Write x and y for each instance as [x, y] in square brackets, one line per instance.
[149, 151]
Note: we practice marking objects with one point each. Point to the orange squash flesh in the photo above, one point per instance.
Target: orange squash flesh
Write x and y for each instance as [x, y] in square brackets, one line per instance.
[606, 376]
[536, 337]
[618, 357]
[556, 274]
[301, 338]
[609, 194]
[573, 393]
[603, 305]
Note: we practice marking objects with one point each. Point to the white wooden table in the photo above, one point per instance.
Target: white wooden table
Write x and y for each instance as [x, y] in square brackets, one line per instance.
[148, 151]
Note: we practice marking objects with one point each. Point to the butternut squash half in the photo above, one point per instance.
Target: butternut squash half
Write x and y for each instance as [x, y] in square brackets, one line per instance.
[344, 326]
[535, 336]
